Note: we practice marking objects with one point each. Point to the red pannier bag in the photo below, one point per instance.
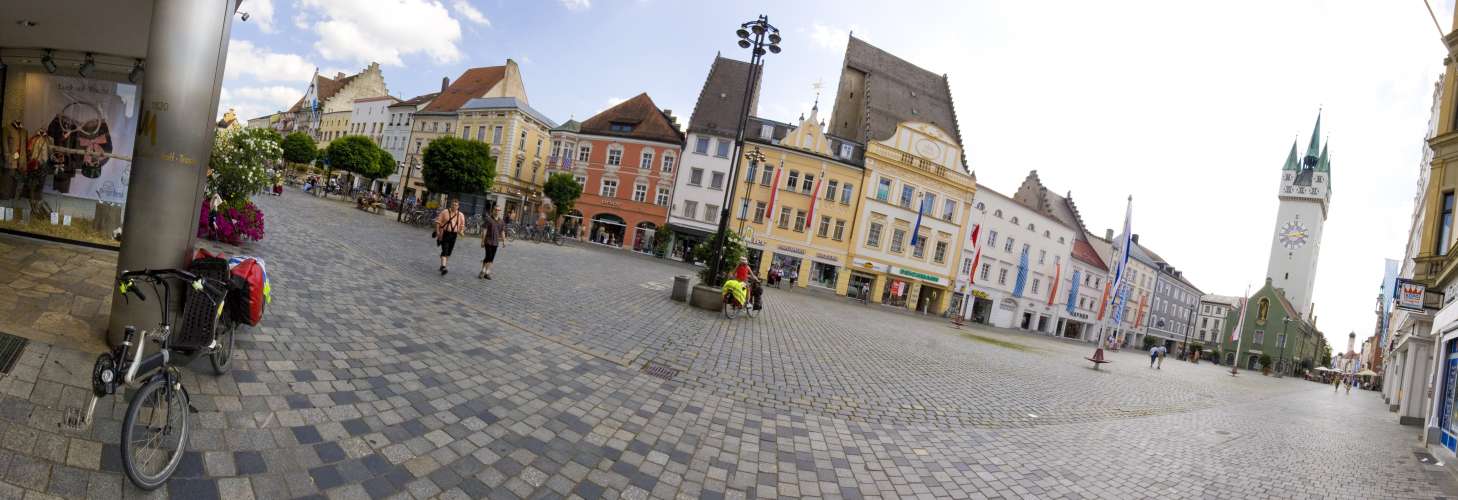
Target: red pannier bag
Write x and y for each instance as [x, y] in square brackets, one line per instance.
[248, 304]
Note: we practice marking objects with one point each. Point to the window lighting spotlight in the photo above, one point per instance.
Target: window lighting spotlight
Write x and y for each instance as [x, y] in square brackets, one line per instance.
[136, 73]
[774, 37]
[49, 62]
[744, 44]
[757, 28]
[774, 49]
[86, 67]
[743, 33]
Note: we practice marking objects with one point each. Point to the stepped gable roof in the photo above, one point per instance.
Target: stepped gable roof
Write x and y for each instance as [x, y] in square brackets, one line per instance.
[646, 120]
[415, 101]
[1033, 194]
[376, 98]
[471, 84]
[717, 110]
[899, 91]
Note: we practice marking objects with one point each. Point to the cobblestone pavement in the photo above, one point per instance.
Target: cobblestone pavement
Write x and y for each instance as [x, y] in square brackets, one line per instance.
[374, 376]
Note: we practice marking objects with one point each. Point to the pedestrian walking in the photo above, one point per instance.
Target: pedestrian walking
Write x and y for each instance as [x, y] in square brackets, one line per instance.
[1336, 384]
[448, 225]
[1153, 355]
[865, 292]
[492, 237]
[1163, 351]
[1348, 383]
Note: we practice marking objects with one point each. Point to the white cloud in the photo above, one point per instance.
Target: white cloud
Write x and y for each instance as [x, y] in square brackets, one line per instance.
[611, 101]
[832, 37]
[246, 59]
[252, 102]
[301, 21]
[261, 12]
[384, 31]
[470, 13]
[577, 4]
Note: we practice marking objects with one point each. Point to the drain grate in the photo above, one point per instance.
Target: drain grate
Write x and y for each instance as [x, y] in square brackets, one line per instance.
[11, 347]
[660, 370]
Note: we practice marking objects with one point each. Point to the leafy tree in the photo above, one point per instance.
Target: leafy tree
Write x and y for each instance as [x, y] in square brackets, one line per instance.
[298, 147]
[457, 166]
[1265, 360]
[384, 166]
[355, 154]
[704, 252]
[564, 192]
[238, 163]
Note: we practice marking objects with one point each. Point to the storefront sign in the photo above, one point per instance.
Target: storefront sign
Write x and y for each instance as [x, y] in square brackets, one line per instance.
[796, 251]
[866, 264]
[827, 257]
[1080, 315]
[980, 294]
[901, 271]
[1410, 295]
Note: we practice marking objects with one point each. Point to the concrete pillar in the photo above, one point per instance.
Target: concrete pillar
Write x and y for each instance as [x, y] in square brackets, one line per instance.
[1412, 409]
[913, 295]
[186, 50]
[877, 287]
[842, 280]
[944, 302]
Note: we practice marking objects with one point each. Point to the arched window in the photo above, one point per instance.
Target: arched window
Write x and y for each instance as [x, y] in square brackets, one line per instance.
[1047, 234]
[981, 207]
[997, 213]
[1014, 220]
[1060, 240]
[1031, 228]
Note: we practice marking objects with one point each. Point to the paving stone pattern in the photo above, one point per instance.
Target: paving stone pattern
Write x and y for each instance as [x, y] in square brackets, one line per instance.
[375, 377]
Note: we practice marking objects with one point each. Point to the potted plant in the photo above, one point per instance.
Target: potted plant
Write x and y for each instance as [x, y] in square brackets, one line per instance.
[705, 295]
[1265, 364]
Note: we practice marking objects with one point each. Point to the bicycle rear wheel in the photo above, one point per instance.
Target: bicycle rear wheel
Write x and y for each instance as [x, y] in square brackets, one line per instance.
[154, 433]
[223, 355]
[730, 310]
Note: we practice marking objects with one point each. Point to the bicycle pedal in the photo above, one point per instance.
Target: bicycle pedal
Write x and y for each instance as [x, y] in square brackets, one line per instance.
[74, 419]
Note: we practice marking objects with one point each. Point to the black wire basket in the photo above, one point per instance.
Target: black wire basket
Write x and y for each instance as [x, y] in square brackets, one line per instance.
[200, 310]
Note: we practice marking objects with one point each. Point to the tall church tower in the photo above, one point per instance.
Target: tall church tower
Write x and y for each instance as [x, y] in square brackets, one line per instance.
[1296, 244]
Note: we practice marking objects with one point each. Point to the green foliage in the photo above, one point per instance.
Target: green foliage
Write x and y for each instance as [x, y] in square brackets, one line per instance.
[733, 251]
[564, 192]
[385, 165]
[1149, 343]
[239, 163]
[660, 242]
[1265, 360]
[298, 147]
[457, 166]
[355, 154]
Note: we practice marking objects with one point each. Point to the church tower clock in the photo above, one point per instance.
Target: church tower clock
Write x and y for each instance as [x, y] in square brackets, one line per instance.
[1305, 194]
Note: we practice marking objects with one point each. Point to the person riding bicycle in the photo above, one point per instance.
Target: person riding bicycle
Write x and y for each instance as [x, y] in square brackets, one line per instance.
[742, 272]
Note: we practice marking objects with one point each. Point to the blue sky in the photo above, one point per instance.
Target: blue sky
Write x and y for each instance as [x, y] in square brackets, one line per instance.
[1190, 107]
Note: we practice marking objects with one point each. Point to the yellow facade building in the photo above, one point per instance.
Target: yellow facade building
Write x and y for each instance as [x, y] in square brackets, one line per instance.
[914, 174]
[442, 118]
[797, 208]
[333, 126]
[520, 139]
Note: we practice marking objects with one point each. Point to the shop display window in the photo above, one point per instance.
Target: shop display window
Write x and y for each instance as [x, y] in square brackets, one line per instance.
[67, 156]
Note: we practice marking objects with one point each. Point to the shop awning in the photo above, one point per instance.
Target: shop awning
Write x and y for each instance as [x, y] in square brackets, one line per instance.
[691, 231]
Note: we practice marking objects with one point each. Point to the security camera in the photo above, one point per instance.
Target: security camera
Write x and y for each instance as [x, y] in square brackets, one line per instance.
[245, 17]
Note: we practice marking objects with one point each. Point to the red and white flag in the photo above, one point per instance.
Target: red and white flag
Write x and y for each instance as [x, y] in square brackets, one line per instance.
[976, 257]
[1239, 322]
[814, 198]
[775, 191]
[1057, 274]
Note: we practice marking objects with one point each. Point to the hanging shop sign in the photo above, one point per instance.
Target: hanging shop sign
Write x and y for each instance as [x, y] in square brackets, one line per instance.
[910, 273]
[1410, 294]
[873, 266]
[827, 257]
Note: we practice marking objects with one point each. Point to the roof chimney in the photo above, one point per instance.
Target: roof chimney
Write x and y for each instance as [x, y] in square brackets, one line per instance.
[1109, 234]
[672, 120]
[338, 75]
[1135, 238]
[445, 81]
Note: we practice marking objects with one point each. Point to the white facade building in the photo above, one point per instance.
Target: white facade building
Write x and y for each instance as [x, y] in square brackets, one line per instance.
[368, 118]
[703, 176]
[1409, 368]
[397, 138]
[1213, 310]
[1009, 229]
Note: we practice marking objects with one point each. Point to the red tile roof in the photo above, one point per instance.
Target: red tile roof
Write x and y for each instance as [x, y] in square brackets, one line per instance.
[470, 85]
[1085, 253]
[649, 122]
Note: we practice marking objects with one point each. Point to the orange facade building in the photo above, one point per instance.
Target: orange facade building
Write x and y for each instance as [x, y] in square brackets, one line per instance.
[625, 158]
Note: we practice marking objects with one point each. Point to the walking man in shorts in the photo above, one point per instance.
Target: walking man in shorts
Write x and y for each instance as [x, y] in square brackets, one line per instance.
[448, 225]
[492, 237]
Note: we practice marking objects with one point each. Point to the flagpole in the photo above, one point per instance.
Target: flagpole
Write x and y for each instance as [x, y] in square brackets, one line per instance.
[1240, 333]
[1098, 356]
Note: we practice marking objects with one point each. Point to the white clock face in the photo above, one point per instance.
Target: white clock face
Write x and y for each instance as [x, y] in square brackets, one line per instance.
[1293, 235]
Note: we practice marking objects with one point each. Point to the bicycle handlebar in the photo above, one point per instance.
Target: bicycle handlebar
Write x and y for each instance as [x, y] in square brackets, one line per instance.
[158, 275]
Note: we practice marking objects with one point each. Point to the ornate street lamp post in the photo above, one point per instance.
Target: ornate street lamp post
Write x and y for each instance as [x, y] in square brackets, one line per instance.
[756, 158]
[760, 37]
[1285, 325]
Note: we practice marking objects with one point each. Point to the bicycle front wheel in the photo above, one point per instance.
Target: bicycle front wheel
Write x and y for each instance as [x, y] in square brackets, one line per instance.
[154, 434]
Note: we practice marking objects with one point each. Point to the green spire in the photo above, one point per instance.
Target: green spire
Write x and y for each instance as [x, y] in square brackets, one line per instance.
[1313, 148]
[1323, 165]
[1291, 158]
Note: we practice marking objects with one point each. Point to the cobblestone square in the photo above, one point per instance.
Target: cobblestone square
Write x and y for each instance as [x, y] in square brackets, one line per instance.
[373, 376]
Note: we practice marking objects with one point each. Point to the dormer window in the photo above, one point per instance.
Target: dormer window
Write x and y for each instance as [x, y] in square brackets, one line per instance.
[620, 127]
